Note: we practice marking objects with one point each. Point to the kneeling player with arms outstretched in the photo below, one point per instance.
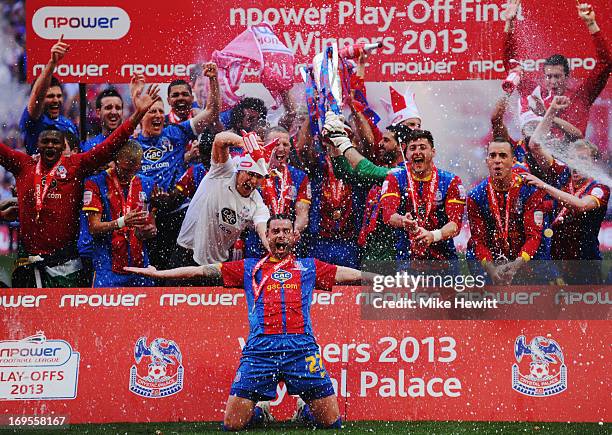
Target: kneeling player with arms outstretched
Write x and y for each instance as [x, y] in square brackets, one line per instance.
[281, 344]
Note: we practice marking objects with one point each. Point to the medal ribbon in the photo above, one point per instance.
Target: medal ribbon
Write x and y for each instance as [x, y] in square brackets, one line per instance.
[174, 119]
[40, 192]
[494, 206]
[429, 197]
[266, 276]
[124, 240]
[579, 193]
[277, 202]
[126, 205]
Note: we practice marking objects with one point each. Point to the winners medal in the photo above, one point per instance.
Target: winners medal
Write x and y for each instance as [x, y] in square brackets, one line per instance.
[421, 206]
[336, 215]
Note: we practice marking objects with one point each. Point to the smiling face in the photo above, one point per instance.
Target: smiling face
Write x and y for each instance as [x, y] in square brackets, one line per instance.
[153, 121]
[420, 154]
[500, 161]
[280, 155]
[51, 145]
[110, 112]
[247, 182]
[53, 102]
[180, 99]
[388, 149]
[281, 237]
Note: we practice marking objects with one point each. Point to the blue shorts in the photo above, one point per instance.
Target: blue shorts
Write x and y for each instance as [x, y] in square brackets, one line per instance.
[301, 370]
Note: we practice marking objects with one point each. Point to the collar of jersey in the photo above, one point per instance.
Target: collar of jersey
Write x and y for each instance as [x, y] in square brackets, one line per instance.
[415, 178]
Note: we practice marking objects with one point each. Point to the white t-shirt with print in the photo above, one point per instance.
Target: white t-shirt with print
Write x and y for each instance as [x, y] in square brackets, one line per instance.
[217, 214]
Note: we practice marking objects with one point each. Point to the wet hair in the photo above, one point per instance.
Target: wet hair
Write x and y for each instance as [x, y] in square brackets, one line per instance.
[280, 217]
[501, 139]
[237, 113]
[558, 59]
[583, 143]
[422, 134]
[108, 92]
[402, 133]
[277, 129]
[53, 128]
[131, 149]
[179, 82]
[54, 82]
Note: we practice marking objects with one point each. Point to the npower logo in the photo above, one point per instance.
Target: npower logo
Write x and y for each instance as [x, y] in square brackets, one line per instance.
[51, 22]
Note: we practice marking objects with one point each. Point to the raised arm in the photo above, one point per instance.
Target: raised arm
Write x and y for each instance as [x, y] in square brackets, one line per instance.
[596, 81]
[41, 85]
[540, 154]
[210, 114]
[11, 159]
[211, 271]
[221, 145]
[345, 275]
[512, 9]
[584, 204]
[497, 118]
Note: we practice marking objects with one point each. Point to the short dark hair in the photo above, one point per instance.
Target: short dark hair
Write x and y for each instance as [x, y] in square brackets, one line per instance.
[402, 133]
[54, 82]
[237, 113]
[422, 134]
[179, 82]
[280, 217]
[558, 59]
[108, 92]
[501, 139]
[54, 129]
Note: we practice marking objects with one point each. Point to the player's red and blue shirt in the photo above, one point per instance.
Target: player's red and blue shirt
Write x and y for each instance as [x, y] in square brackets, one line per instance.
[283, 305]
[575, 234]
[525, 218]
[448, 206]
[163, 155]
[31, 128]
[120, 248]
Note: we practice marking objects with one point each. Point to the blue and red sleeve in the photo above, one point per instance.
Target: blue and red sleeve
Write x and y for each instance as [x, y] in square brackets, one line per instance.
[325, 275]
[232, 273]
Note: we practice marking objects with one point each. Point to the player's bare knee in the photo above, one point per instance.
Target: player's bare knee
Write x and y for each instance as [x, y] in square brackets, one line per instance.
[234, 422]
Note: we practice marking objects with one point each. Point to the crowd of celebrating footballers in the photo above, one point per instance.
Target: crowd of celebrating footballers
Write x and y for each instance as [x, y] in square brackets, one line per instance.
[199, 196]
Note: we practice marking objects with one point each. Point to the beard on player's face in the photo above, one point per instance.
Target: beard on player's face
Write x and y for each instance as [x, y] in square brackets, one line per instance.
[281, 237]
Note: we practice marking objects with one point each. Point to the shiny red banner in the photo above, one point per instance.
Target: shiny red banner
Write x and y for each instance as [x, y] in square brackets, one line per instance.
[170, 354]
[421, 40]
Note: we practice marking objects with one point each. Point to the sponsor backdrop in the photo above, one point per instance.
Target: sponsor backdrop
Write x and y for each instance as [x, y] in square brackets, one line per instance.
[159, 354]
[421, 40]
